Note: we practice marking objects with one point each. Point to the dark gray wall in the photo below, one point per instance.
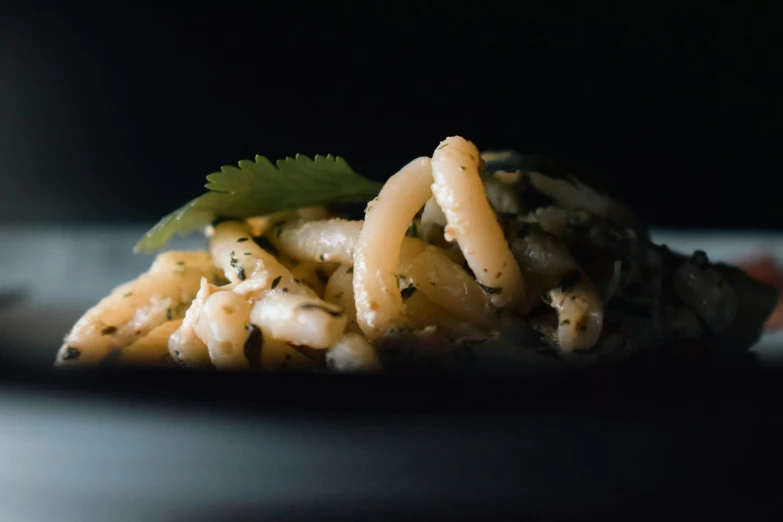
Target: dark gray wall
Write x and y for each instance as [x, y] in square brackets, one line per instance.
[118, 116]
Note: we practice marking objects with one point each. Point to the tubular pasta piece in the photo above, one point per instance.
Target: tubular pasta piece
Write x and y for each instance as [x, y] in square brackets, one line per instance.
[451, 288]
[152, 349]
[223, 328]
[570, 293]
[353, 353]
[339, 291]
[472, 223]
[377, 252]
[185, 347]
[300, 320]
[423, 312]
[134, 309]
[242, 260]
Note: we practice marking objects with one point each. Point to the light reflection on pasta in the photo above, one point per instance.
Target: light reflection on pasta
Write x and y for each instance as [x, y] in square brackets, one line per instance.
[437, 256]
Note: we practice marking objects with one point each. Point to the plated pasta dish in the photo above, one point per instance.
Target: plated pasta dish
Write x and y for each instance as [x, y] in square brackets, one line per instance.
[462, 261]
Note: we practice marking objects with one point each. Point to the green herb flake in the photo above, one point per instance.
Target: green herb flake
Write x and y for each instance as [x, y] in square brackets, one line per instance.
[408, 291]
[491, 289]
[127, 294]
[242, 239]
[285, 290]
[260, 187]
[180, 263]
[350, 270]
[276, 281]
[109, 330]
[235, 264]
[71, 353]
[412, 230]
[169, 314]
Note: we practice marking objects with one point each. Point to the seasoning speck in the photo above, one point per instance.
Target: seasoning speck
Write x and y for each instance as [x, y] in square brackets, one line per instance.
[169, 314]
[128, 294]
[276, 282]
[71, 354]
[242, 239]
[408, 291]
[491, 289]
[285, 290]
[109, 330]
[350, 270]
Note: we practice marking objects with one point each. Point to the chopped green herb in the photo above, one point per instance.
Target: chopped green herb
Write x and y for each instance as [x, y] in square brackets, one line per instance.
[240, 270]
[128, 294]
[180, 263]
[322, 258]
[565, 322]
[285, 290]
[314, 306]
[247, 254]
[412, 231]
[408, 291]
[71, 353]
[260, 187]
[338, 295]
[169, 314]
[350, 270]
[109, 330]
[276, 281]
[491, 289]
[242, 239]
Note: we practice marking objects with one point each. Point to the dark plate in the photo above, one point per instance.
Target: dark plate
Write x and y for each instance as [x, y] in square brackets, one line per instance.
[174, 445]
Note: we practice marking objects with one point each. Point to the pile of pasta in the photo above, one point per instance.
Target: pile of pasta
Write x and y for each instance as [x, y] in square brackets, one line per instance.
[304, 290]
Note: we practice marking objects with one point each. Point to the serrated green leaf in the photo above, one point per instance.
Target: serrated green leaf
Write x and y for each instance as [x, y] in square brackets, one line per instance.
[259, 187]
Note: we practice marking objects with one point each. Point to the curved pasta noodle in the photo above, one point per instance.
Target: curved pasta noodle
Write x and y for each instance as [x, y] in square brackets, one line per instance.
[331, 240]
[152, 349]
[300, 320]
[185, 346]
[134, 309]
[568, 290]
[423, 312]
[451, 288]
[241, 259]
[472, 223]
[436, 275]
[353, 353]
[377, 252]
[223, 327]
[339, 291]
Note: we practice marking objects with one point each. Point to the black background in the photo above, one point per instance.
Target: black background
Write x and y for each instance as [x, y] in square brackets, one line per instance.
[118, 115]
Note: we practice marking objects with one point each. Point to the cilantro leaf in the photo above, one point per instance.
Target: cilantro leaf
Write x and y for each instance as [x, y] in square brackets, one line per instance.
[258, 187]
